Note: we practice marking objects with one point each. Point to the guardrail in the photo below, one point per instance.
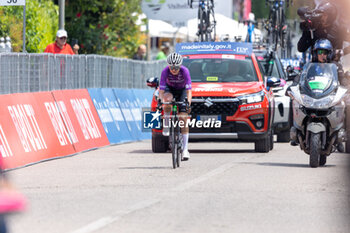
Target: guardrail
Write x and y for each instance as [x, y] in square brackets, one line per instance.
[20, 72]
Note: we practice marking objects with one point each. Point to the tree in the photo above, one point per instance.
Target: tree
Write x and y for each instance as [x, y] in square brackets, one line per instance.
[105, 26]
[41, 24]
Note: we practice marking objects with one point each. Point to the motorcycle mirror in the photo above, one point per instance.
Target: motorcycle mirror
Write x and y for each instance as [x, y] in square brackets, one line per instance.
[291, 76]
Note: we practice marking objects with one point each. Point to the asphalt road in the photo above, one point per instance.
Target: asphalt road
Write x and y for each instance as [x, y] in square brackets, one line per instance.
[224, 187]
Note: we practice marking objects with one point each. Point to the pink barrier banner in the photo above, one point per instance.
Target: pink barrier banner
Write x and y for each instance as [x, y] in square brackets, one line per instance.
[80, 116]
[29, 132]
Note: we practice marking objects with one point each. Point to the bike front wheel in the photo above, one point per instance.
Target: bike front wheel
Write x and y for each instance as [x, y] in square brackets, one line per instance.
[174, 147]
[179, 148]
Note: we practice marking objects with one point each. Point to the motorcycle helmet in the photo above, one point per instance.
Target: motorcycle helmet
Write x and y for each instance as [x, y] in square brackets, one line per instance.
[174, 60]
[323, 44]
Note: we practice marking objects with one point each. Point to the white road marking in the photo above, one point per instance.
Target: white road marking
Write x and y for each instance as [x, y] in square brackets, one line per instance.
[103, 222]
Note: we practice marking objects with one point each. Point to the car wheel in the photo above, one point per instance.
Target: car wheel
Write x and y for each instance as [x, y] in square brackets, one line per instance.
[283, 136]
[160, 143]
[271, 140]
[263, 145]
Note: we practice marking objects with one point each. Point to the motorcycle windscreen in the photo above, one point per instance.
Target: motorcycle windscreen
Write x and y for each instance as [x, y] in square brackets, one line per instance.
[319, 79]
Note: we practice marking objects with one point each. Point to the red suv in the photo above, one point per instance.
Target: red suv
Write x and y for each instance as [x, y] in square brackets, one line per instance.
[227, 86]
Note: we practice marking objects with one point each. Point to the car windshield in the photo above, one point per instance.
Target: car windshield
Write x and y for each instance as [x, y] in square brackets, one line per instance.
[269, 68]
[221, 70]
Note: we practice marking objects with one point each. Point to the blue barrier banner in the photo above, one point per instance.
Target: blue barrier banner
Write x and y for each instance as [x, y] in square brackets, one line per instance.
[147, 96]
[118, 118]
[142, 101]
[291, 62]
[214, 48]
[126, 100]
[111, 127]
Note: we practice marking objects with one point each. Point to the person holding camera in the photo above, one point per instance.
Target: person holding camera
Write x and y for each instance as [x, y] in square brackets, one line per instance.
[320, 23]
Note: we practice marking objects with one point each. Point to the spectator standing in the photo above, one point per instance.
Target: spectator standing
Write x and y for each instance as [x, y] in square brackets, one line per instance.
[141, 53]
[163, 53]
[60, 46]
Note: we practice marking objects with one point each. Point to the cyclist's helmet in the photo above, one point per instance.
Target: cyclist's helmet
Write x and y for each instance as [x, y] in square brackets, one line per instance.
[174, 60]
[323, 44]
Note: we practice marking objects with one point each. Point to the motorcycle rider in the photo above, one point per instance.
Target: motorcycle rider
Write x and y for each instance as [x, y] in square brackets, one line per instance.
[323, 53]
[175, 82]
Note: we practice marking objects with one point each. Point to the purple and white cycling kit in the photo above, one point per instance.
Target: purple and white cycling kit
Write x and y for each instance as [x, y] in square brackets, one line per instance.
[180, 81]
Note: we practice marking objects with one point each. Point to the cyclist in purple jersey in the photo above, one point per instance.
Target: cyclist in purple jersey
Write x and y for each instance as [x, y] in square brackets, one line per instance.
[175, 82]
[179, 81]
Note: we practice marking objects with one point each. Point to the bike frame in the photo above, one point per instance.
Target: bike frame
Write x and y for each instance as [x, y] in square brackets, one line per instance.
[206, 20]
[175, 134]
[277, 23]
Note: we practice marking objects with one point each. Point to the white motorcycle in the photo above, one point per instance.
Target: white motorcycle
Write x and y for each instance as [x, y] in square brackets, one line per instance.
[318, 111]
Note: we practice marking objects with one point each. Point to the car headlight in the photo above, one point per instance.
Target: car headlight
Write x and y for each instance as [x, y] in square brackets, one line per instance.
[252, 98]
[309, 102]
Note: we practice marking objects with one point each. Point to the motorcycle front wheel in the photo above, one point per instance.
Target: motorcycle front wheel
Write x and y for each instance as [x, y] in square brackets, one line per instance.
[315, 149]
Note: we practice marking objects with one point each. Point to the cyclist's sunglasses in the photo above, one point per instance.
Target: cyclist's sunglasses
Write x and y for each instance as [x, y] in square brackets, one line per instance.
[174, 68]
[322, 51]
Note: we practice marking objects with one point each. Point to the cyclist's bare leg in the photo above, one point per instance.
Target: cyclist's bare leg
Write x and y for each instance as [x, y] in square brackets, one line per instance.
[185, 133]
[167, 97]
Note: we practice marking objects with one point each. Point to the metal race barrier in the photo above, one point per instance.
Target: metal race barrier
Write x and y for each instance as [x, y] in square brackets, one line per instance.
[20, 72]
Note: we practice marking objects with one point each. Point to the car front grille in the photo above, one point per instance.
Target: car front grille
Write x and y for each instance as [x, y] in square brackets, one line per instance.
[224, 106]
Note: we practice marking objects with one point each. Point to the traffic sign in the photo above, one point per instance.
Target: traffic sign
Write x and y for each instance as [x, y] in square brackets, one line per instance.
[12, 2]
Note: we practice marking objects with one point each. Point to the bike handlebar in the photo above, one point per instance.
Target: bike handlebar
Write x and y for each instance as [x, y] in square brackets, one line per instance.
[173, 102]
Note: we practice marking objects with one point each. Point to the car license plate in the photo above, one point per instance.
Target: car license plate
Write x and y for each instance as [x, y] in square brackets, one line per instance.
[207, 117]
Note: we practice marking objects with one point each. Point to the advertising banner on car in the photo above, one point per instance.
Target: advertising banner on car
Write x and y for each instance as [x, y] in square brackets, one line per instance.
[29, 132]
[77, 108]
[214, 48]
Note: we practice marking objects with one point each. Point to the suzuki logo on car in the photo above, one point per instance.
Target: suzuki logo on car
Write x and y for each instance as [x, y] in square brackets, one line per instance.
[208, 102]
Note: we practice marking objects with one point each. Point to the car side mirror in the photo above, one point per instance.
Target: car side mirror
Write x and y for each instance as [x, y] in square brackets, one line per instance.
[273, 82]
[291, 74]
[290, 69]
[153, 82]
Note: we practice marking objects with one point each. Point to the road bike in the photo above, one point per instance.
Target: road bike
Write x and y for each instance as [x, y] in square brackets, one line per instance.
[276, 25]
[206, 19]
[175, 136]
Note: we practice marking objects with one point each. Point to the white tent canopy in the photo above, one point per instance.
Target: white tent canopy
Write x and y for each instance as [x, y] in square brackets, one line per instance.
[224, 26]
[159, 28]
